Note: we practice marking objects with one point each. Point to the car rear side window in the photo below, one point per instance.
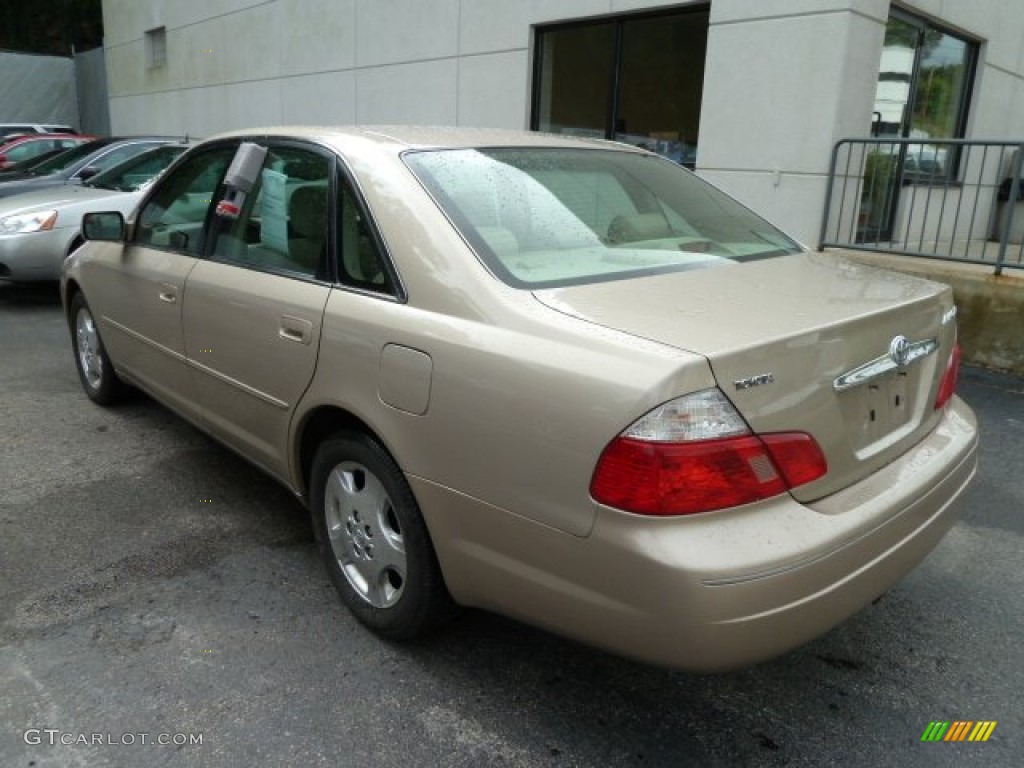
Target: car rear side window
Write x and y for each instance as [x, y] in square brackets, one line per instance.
[175, 215]
[361, 261]
[542, 217]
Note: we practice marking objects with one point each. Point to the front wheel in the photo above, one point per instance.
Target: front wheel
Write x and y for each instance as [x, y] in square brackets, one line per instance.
[373, 539]
[94, 368]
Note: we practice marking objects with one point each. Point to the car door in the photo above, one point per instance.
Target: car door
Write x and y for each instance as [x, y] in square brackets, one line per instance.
[253, 309]
[140, 295]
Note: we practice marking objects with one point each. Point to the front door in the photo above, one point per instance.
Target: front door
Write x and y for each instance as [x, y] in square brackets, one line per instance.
[143, 287]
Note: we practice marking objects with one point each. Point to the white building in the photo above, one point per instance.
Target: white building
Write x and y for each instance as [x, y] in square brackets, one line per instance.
[757, 92]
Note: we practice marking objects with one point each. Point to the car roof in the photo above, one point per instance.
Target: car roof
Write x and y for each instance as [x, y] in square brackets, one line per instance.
[423, 137]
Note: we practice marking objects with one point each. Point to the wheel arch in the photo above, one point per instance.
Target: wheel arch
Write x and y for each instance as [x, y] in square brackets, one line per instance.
[319, 424]
[71, 289]
[76, 242]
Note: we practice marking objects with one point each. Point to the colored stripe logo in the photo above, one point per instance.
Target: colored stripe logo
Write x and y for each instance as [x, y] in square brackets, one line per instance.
[959, 730]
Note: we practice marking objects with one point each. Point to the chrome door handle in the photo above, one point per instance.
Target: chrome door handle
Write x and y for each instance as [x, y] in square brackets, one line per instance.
[295, 329]
[168, 293]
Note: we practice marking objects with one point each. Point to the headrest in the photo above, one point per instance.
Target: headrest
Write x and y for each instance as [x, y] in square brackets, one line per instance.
[307, 211]
[640, 226]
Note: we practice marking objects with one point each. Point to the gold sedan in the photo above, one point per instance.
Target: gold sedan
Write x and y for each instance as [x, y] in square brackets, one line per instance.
[563, 380]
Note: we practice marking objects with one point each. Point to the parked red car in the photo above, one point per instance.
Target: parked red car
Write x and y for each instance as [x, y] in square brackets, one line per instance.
[21, 148]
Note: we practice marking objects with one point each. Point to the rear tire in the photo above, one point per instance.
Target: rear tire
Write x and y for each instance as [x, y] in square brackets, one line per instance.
[374, 541]
[94, 367]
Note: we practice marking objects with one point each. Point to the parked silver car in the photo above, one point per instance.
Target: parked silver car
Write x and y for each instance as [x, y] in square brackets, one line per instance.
[39, 229]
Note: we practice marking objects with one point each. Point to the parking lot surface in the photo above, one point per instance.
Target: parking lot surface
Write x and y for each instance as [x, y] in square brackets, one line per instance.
[162, 604]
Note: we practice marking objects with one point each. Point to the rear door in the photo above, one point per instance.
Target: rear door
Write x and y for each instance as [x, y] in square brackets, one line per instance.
[253, 309]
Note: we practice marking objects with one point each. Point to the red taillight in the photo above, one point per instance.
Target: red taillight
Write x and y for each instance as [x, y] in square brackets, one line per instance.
[947, 387]
[797, 456]
[658, 478]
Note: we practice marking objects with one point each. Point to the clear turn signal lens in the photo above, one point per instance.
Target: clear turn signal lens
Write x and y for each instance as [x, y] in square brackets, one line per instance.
[705, 415]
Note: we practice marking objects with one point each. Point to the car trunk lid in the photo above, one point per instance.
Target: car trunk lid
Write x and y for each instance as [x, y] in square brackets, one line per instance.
[798, 343]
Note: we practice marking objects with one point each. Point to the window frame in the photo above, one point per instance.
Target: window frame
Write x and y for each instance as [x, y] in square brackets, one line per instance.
[923, 25]
[950, 176]
[156, 47]
[613, 107]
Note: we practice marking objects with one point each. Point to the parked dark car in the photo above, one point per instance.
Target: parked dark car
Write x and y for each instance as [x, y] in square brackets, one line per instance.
[80, 163]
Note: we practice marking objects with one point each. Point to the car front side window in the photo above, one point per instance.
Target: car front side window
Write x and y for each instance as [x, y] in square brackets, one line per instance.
[175, 214]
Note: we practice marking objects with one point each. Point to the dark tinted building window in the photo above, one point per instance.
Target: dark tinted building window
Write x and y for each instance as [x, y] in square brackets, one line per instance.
[637, 79]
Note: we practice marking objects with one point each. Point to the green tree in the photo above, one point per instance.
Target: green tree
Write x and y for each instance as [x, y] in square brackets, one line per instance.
[53, 27]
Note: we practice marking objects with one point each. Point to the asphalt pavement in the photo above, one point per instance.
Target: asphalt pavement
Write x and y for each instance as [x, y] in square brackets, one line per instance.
[156, 588]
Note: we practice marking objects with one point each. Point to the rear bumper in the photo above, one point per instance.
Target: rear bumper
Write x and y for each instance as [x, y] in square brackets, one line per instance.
[714, 591]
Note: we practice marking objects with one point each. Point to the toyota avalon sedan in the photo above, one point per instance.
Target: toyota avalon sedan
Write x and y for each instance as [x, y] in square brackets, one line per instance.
[563, 380]
[39, 229]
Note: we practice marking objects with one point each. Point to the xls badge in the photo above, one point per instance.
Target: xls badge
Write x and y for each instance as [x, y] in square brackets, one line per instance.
[755, 381]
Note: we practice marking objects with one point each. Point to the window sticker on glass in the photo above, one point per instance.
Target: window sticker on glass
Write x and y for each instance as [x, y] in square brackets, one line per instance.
[274, 211]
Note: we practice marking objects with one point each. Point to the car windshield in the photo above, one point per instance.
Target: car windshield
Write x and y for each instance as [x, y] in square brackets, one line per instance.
[543, 217]
[134, 174]
[65, 160]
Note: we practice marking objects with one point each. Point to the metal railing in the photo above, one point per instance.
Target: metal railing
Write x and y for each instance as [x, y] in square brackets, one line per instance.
[953, 199]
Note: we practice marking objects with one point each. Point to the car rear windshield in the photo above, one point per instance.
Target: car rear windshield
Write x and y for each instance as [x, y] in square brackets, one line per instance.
[543, 217]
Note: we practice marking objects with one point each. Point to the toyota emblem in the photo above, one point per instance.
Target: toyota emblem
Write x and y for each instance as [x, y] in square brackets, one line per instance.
[899, 351]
